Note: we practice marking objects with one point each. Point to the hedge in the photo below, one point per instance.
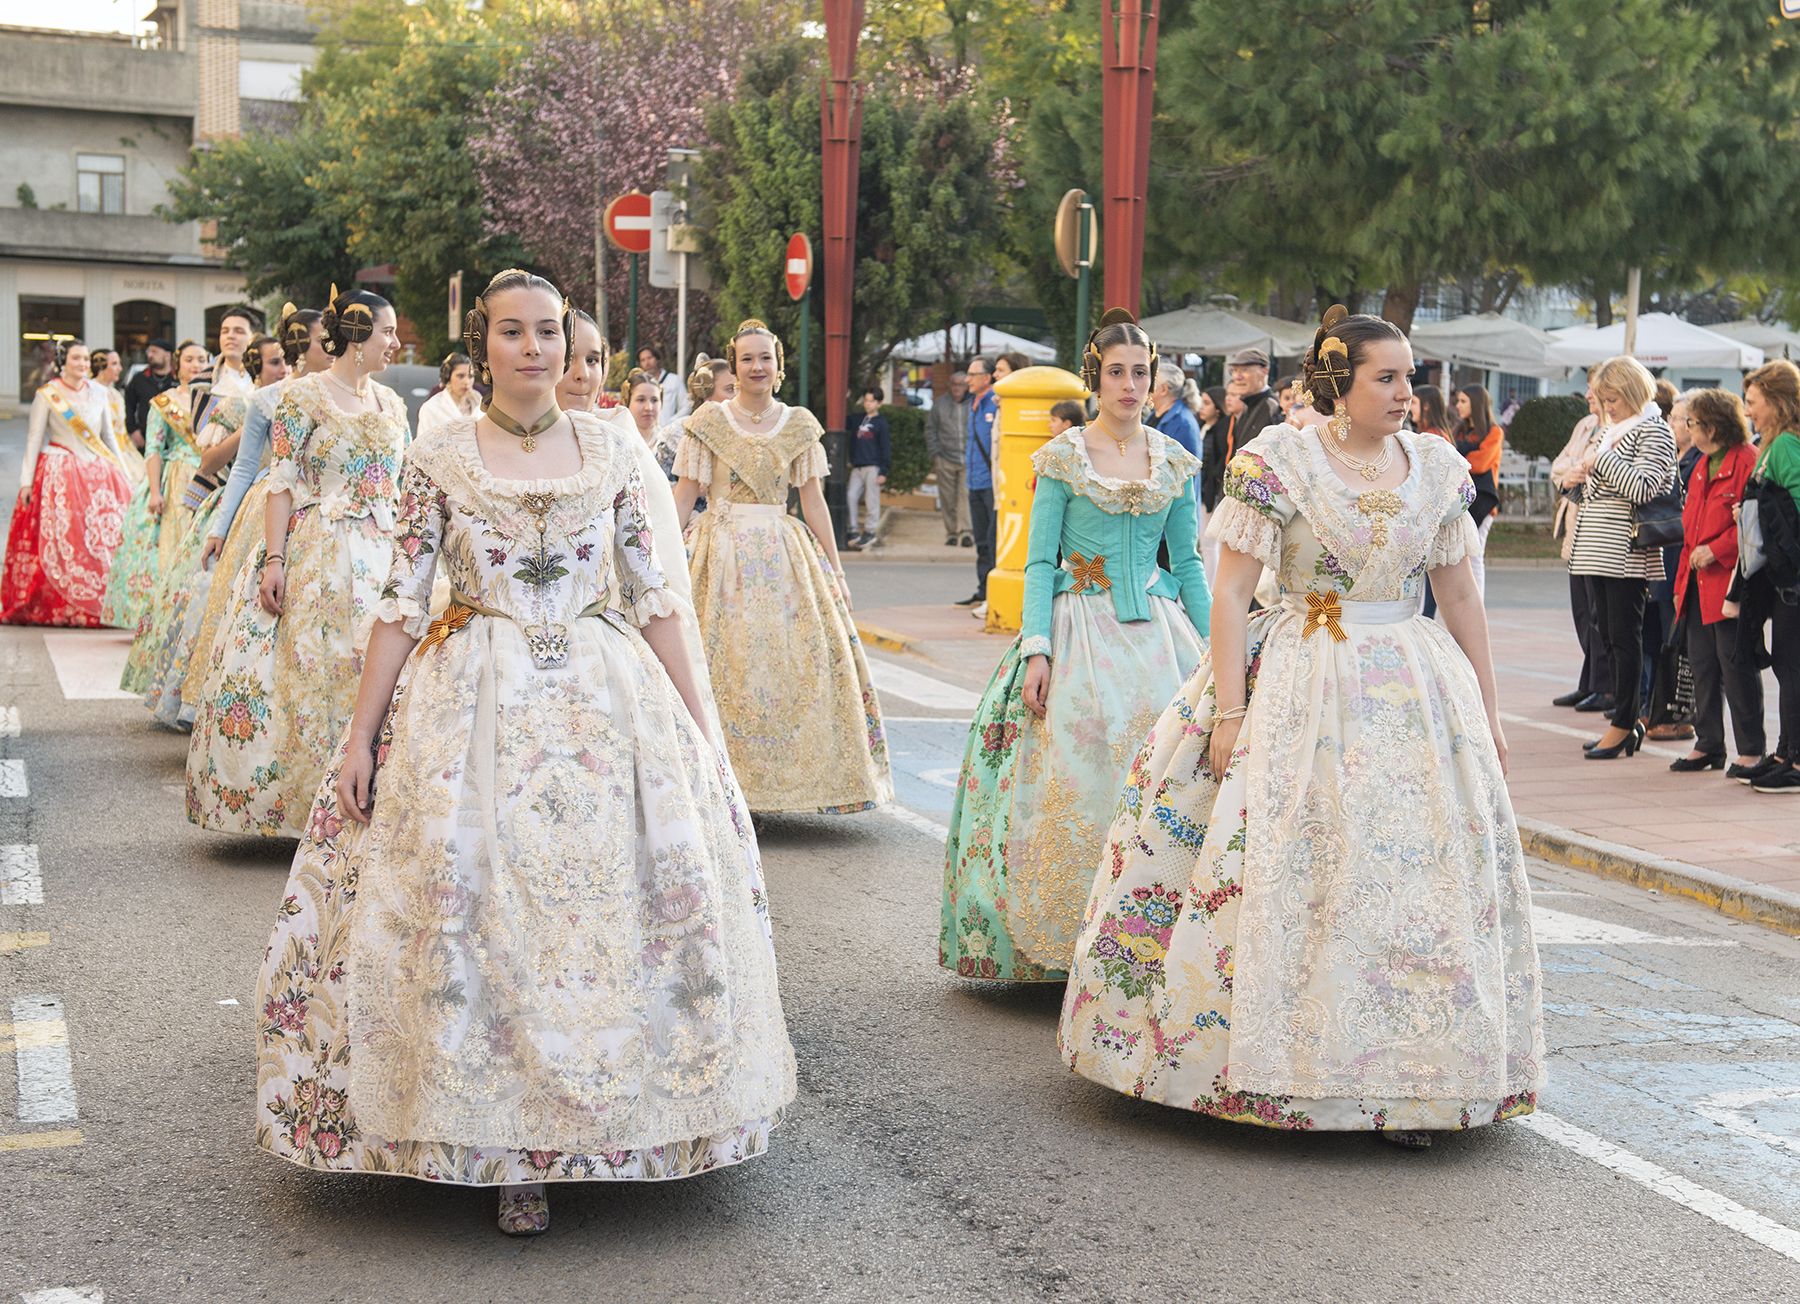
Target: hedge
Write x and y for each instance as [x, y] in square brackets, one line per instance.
[906, 434]
[1541, 426]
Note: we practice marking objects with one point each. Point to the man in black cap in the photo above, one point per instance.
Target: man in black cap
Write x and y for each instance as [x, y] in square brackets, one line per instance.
[156, 376]
[1248, 379]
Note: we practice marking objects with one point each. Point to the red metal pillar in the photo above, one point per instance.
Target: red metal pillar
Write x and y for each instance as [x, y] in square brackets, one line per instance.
[840, 118]
[1128, 58]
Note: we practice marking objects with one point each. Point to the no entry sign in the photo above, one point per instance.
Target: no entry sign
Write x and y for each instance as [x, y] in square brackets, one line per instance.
[627, 222]
[798, 274]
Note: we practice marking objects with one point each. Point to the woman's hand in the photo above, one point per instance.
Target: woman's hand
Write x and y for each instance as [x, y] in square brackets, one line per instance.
[1499, 740]
[843, 585]
[210, 553]
[356, 783]
[155, 502]
[1730, 610]
[25, 496]
[1702, 557]
[1037, 684]
[272, 592]
[1224, 742]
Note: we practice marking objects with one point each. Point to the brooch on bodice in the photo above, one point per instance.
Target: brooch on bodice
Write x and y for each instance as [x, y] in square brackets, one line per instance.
[1378, 505]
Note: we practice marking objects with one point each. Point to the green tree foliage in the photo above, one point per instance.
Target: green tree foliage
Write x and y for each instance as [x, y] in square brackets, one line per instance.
[906, 438]
[926, 208]
[1541, 426]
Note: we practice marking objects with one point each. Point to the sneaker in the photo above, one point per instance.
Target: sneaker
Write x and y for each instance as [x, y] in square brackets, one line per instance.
[1761, 770]
[979, 611]
[1784, 780]
[968, 541]
[973, 598]
[853, 543]
[950, 541]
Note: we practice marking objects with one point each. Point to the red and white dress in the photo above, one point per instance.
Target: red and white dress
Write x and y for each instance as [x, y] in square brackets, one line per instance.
[61, 543]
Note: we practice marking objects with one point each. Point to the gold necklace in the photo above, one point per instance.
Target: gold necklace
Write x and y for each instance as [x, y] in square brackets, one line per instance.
[1370, 469]
[527, 435]
[1120, 444]
[753, 418]
[359, 391]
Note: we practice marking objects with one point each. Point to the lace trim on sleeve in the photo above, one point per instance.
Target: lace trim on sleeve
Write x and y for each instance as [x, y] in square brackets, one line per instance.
[284, 478]
[1035, 646]
[694, 461]
[812, 464]
[1456, 538]
[1242, 528]
[647, 604]
[406, 613]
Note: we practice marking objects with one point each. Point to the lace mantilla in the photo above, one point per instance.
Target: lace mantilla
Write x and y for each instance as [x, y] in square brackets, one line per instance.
[1066, 458]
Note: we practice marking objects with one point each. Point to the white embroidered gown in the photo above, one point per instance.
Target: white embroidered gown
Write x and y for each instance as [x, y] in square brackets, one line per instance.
[1338, 934]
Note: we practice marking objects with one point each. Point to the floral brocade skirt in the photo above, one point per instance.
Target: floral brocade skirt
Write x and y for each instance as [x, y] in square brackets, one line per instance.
[245, 537]
[800, 719]
[164, 649]
[1336, 933]
[279, 690]
[147, 546]
[60, 549]
[1035, 797]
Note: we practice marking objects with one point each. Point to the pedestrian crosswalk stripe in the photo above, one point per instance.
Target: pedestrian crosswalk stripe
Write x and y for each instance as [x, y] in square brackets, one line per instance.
[65, 1295]
[12, 779]
[46, 1076]
[9, 722]
[21, 881]
[88, 663]
[899, 681]
[1671, 1186]
[1557, 928]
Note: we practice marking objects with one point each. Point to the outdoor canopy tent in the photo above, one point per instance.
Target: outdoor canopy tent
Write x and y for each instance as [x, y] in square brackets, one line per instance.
[1776, 341]
[929, 347]
[1214, 331]
[1489, 341]
[1663, 340]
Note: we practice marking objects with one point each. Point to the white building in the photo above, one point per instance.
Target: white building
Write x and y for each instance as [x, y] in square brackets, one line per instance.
[93, 126]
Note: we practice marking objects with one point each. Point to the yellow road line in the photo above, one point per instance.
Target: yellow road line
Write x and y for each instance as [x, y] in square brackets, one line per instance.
[21, 941]
[31, 1035]
[40, 1140]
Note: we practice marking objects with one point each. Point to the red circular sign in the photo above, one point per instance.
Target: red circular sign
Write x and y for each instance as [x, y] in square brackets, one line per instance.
[627, 222]
[799, 269]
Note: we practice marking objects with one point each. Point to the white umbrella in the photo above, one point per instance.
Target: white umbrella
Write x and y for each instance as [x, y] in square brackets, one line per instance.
[1215, 331]
[1663, 340]
[1489, 341]
[929, 347]
[1774, 339]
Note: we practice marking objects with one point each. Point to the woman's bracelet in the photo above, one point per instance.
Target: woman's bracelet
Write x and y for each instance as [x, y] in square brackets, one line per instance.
[274, 556]
[1235, 713]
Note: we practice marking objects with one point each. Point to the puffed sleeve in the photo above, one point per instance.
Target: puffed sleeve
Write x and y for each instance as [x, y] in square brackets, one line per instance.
[812, 464]
[1043, 550]
[1253, 510]
[693, 460]
[289, 430]
[1456, 537]
[418, 539]
[643, 591]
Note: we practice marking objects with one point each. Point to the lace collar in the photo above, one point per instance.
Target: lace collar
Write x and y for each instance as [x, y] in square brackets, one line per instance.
[599, 443]
[1066, 458]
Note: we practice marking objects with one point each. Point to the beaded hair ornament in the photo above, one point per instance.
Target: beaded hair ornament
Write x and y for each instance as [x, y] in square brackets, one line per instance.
[475, 322]
[754, 326]
[1090, 356]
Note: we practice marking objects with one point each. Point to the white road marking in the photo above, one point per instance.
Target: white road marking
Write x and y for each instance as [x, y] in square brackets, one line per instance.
[41, 1050]
[1570, 731]
[1671, 1186]
[229, 1000]
[89, 662]
[9, 722]
[916, 822]
[922, 689]
[961, 721]
[947, 777]
[65, 1295]
[1727, 1110]
[21, 882]
[1554, 928]
[12, 779]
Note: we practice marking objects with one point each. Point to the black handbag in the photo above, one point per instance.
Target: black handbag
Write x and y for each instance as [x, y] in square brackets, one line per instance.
[1657, 523]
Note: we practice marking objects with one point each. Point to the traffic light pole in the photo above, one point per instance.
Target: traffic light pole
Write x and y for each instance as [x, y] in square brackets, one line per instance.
[806, 348]
[631, 349]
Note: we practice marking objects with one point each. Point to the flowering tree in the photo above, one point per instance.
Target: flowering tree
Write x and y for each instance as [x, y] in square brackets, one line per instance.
[589, 113]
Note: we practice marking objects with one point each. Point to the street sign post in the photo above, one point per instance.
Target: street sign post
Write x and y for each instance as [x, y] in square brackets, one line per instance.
[1076, 243]
[627, 223]
[674, 261]
[456, 308]
[798, 274]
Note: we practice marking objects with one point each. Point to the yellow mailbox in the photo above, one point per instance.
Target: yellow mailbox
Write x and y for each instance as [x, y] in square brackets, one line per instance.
[1021, 428]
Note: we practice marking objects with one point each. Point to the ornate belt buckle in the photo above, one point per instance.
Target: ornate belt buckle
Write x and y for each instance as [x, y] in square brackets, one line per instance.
[548, 644]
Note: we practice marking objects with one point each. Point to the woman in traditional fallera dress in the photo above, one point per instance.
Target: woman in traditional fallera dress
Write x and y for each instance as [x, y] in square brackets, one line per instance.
[156, 515]
[73, 495]
[235, 532]
[282, 671]
[802, 726]
[171, 639]
[1312, 909]
[457, 398]
[525, 937]
[1107, 639]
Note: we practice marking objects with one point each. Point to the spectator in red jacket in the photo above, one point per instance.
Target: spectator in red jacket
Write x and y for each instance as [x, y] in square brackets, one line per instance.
[1709, 549]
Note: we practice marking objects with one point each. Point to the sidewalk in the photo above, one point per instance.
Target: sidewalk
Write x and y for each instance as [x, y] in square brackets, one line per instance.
[1698, 835]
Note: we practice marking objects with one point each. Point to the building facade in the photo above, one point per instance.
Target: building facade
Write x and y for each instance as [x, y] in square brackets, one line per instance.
[93, 127]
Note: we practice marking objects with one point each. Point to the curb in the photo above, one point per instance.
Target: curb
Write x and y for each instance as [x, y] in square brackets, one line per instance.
[885, 639]
[1771, 907]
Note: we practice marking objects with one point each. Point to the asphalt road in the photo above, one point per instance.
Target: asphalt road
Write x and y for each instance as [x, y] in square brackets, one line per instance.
[937, 1150]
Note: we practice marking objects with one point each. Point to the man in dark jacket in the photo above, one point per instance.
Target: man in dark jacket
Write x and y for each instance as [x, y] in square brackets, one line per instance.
[156, 377]
[1249, 379]
[871, 458]
[946, 439]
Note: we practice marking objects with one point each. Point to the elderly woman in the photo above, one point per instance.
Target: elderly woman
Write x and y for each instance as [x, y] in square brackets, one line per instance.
[1632, 463]
[1568, 475]
[1714, 419]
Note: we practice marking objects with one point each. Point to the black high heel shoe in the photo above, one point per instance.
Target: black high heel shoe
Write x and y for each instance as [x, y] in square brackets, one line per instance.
[1626, 746]
[1688, 764]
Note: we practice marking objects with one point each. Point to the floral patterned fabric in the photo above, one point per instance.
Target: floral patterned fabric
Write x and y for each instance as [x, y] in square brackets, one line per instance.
[148, 541]
[802, 726]
[548, 957]
[1335, 933]
[279, 689]
[1036, 797]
